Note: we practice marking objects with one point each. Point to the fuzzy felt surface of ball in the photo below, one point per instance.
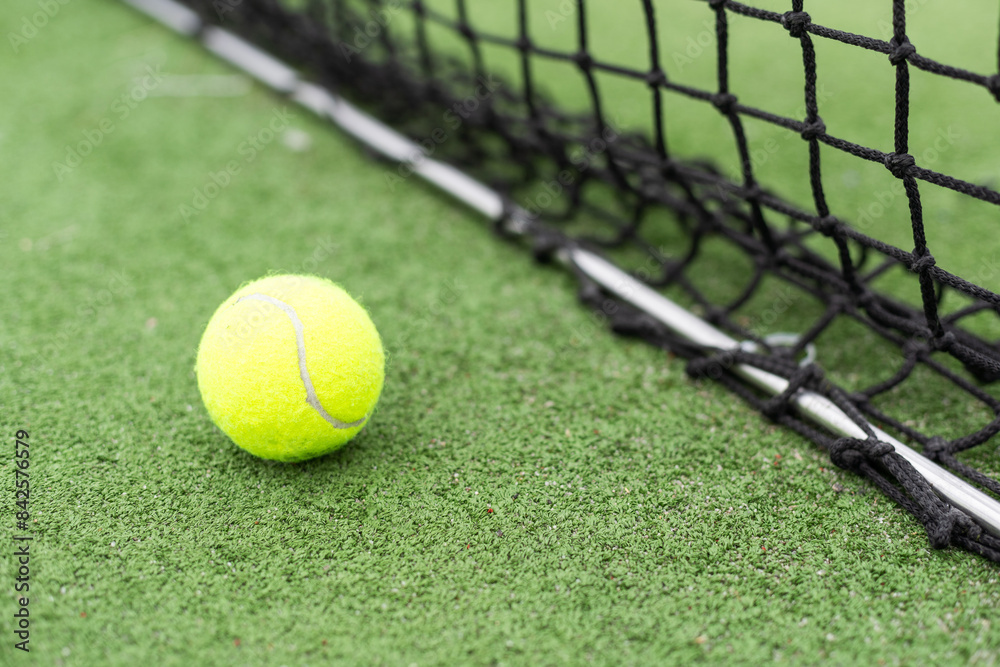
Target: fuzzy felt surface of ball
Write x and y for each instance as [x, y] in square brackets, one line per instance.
[290, 367]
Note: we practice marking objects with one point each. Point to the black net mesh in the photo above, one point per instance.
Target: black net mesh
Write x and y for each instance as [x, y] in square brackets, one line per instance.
[717, 239]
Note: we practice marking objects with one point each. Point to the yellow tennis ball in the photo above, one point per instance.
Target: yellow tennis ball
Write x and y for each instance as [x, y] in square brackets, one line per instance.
[290, 367]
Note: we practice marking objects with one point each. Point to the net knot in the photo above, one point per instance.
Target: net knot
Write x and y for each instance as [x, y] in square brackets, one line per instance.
[523, 44]
[813, 129]
[724, 102]
[590, 294]
[829, 226]
[583, 60]
[899, 52]
[466, 30]
[712, 367]
[776, 260]
[809, 375]
[841, 303]
[796, 22]
[858, 398]
[915, 348]
[922, 263]
[941, 528]
[669, 170]
[544, 246]
[850, 453]
[754, 192]
[867, 300]
[993, 84]
[944, 342]
[656, 78]
[899, 163]
[935, 447]
[716, 4]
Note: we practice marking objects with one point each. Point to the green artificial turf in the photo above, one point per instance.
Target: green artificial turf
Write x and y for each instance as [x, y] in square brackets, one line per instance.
[532, 489]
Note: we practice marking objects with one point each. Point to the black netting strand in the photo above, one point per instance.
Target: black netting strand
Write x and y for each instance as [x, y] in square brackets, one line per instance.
[662, 216]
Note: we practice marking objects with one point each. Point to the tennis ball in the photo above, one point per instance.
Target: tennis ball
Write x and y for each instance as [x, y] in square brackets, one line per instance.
[290, 367]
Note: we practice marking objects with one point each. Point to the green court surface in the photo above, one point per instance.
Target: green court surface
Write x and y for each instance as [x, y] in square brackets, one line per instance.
[532, 489]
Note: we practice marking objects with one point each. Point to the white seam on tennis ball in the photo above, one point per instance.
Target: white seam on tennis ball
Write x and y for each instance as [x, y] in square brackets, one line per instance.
[300, 343]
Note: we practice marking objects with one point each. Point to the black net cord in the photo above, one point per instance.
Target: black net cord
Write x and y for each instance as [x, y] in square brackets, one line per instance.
[634, 189]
